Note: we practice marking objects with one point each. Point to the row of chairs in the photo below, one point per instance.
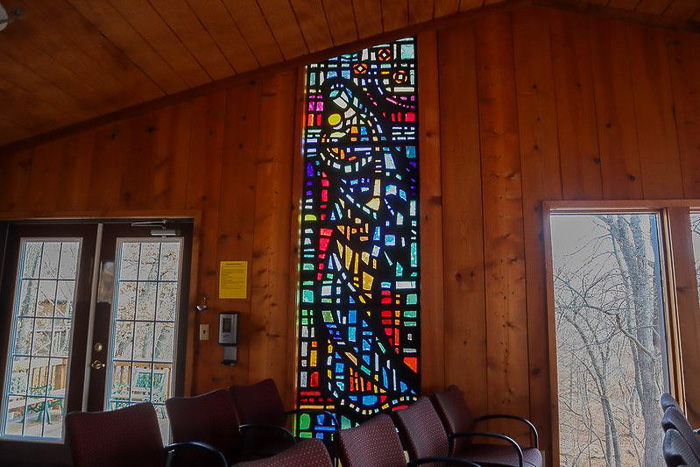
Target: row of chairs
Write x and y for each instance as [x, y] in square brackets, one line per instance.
[681, 446]
[245, 425]
[436, 431]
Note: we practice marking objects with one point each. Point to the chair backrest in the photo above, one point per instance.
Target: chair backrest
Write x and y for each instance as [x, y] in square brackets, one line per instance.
[210, 418]
[128, 436]
[674, 419]
[309, 453]
[667, 400]
[259, 403]
[422, 430]
[375, 442]
[677, 451]
[454, 413]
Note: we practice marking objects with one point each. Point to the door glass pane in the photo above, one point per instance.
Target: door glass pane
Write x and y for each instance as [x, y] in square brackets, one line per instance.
[695, 227]
[144, 320]
[611, 350]
[42, 328]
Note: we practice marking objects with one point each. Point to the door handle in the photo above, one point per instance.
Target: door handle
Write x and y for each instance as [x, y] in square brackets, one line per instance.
[97, 365]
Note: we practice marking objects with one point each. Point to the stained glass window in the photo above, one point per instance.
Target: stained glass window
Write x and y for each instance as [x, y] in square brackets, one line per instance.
[359, 335]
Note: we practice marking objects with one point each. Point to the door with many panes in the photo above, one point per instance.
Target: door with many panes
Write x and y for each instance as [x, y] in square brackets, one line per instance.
[92, 317]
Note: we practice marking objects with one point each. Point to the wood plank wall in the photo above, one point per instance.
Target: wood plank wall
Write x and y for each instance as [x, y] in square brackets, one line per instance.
[516, 108]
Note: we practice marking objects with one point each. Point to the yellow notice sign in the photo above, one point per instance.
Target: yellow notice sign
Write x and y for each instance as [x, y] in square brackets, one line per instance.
[233, 279]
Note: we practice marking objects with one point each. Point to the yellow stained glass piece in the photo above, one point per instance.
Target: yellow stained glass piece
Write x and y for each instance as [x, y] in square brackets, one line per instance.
[334, 119]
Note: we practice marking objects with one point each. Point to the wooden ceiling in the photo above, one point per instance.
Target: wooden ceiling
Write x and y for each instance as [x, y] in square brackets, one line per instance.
[69, 61]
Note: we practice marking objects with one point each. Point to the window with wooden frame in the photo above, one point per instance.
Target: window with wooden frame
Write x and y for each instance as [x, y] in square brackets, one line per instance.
[623, 313]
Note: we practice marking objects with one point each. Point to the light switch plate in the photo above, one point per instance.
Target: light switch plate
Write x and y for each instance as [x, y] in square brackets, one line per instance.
[203, 332]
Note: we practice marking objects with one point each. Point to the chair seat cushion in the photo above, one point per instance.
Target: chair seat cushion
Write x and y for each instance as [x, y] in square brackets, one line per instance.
[501, 455]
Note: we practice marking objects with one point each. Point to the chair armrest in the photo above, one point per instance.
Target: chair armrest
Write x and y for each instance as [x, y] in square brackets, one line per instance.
[327, 412]
[445, 459]
[198, 444]
[488, 434]
[531, 425]
[280, 429]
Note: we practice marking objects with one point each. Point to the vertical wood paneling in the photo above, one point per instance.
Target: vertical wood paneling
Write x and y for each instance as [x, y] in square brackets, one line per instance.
[431, 296]
[172, 149]
[541, 179]
[111, 145]
[684, 63]
[203, 192]
[269, 269]
[504, 256]
[617, 135]
[74, 172]
[656, 129]
[463, 243]
[576, 118]
[237, 214]
[42, 183]
[137, 170]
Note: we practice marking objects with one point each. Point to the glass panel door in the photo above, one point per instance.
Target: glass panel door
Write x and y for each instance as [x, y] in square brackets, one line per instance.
[36, 378]
[610, 338]
[144, 323]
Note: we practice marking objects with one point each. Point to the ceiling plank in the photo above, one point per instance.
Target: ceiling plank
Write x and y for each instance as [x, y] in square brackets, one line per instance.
[60, 19]
[312, 20]
[254, 28]
[446, 7]
[653, 7]
[15, 46]
[466, 5]
[420, 11]
[144, 19]
[619, 4]
[220, 25]
[682, 9]
[394, 14]
[22, 77]
[341, 20]
[111, 23]
[284, 26]
[187, 27]
[368, 14]
[34, 38]
[27, 110]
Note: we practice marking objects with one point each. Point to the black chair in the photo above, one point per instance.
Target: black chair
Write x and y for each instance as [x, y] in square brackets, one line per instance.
[212, 418]
[461, 428]
[677, 451]
[675, 420]
[128, 436]
[667, 400]
[375, 443]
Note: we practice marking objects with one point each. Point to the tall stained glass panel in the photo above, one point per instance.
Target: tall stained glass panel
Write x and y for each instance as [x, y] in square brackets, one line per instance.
[359, 335]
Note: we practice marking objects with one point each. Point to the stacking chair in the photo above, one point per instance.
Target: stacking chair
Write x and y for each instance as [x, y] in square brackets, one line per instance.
[425, 437]
[461, 428]
[128, 436]
[677, 451]
[261, 404]
[667, 400]
[309, 453]
[212, 418]
[376, 443]
[674, 419]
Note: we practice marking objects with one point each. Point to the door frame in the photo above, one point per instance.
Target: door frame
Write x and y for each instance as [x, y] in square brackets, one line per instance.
[193, 215]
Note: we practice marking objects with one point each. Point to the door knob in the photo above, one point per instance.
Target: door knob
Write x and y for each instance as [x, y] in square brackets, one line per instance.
[97, 365]
[98, 347]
